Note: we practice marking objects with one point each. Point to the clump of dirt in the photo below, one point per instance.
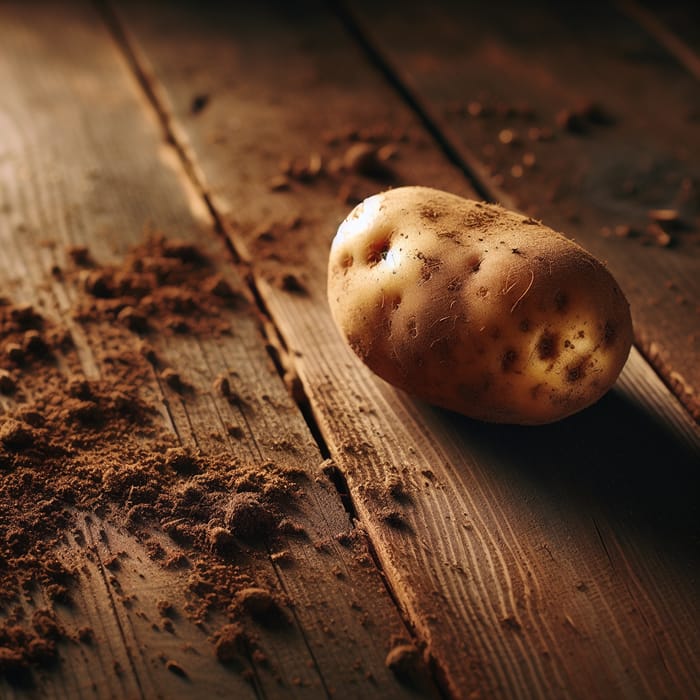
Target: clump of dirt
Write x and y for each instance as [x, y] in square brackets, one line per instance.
[231, 643]
[406, 662]
[89, 437]
[350, 159]
[25, 645]
[261, 605]
[162, 286]
[351, 163]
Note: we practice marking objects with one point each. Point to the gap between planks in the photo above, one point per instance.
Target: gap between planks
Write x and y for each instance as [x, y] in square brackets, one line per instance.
[175, 137]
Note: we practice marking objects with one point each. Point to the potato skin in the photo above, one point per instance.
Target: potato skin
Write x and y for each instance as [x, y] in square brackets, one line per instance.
[475, 308]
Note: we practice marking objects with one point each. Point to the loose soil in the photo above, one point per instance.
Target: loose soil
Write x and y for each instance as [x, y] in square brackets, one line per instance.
[70, 445]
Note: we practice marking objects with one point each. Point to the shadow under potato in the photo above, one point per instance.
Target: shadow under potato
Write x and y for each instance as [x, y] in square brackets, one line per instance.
[612, 459]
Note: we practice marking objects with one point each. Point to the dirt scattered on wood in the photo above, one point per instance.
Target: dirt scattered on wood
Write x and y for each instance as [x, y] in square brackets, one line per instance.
[74, 442]
[28, 642]
[349, 163]
[353, 161]
[518, 149]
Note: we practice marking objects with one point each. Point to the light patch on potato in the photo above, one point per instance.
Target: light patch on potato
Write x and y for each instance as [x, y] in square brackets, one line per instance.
[475, 308]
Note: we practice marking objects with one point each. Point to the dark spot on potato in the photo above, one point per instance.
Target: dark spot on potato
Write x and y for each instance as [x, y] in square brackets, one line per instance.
[411, 327]
[358, 346]
[431, 212]
[569, 345]
[560, 300]
[474, 263]
[347, 261]
[609, 333]
[378, 251]
[575, 373]
[482, 292]
[534, 392]
[516, 251]
[524, 325]
[479, 219]
[547, 346]
[429, 267]
[581, 334]
[508, 359]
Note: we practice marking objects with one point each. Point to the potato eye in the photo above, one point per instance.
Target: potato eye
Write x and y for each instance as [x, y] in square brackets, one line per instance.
[609, 333]
[378, 251]
[547, 346]
[474, 263]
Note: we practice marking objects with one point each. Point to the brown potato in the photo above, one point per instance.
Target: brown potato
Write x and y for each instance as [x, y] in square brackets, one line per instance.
[475, 308]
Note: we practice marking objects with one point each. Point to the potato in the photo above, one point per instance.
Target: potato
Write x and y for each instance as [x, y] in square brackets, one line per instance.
[475, 308]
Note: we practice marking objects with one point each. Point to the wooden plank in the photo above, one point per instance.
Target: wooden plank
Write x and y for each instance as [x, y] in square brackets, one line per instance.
[675, 27]
[548, 562]
[84, 164]
[500, 77]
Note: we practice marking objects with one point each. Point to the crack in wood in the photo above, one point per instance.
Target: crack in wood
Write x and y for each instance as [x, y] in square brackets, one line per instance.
[173, 135]
[166, 405]
[193, 432]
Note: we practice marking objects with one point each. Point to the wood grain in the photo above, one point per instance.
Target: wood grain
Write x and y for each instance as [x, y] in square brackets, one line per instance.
[554, 562]
[673, 25]
[84, 163]
[520, 71]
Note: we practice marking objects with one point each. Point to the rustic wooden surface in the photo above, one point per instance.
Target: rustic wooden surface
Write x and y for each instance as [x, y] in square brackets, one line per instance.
[481, 592]
[83, 164]
[552, 562]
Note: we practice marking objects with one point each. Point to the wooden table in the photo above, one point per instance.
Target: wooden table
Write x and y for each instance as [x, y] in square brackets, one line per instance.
[441, 557]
